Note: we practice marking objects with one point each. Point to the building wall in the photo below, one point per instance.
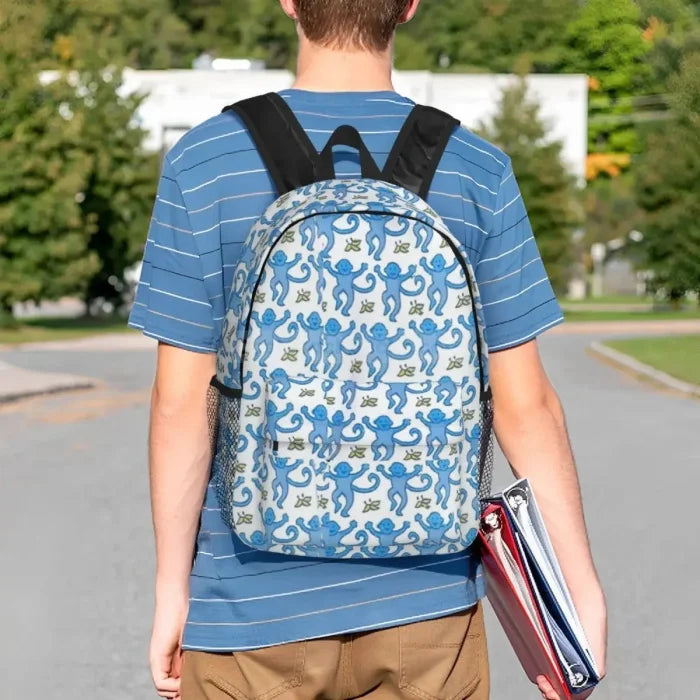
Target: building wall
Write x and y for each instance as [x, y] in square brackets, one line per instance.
[179, 99]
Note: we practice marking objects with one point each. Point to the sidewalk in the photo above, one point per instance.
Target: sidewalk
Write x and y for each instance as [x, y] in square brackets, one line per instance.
[17, 383]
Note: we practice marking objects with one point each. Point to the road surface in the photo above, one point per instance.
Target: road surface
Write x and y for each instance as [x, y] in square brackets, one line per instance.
[77, 563]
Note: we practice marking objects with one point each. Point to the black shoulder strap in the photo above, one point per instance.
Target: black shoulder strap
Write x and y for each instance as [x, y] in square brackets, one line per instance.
[419, 147]
[284, 146]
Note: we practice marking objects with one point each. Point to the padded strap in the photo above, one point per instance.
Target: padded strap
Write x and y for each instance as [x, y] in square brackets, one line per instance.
[419, 147]
[284, 146]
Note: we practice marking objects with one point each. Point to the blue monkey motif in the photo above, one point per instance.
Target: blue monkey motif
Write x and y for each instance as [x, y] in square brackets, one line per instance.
[378, 552]
[258, 436]
[439, 271]
[424, 236]
[334, 337]
[253, 386]
[428, 547]
[396, 395]
[348, 391]
[346, 284]
[324, 532]
[468, 324]
[353, 221]
[273, 416]
[345, 487]
[474, 438]
[376, 238]
[283, 468]
[280, 383]
[381, 342]
[245, 492]
[386, 532]
[444, 468]
[337, 424]
[313, 347]
[283, 275]
[469, 395]
[438, 425]
[446, 390]
[430, 335]
[246, 264]
[400, 478]
[269, 325]
[333, 535]
[394, 281]
[385, 436]
[317, 263]
[318, 436]
[435, 526]
[261, 539]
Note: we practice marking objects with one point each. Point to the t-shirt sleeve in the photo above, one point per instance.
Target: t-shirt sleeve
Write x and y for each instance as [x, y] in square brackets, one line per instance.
[517, 297]
[171, 302]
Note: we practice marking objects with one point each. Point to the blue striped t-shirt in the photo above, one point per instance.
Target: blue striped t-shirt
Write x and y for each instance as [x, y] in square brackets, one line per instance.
[212, 190]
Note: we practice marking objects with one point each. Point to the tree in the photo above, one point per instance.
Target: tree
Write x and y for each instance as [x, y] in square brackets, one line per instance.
[492, 35]
[118, 197]
[606, 41]
[75, 185]
[248, 29]
[146, 35]
[668, 189]
[44, 251]
[548, 190]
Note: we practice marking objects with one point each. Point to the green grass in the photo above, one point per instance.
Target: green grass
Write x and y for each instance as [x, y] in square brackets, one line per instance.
[611, 299]
[632, 315]
[678, 356]
[46, 329]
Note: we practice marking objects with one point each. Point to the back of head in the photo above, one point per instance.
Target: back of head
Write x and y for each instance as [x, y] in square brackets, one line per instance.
[351, 24]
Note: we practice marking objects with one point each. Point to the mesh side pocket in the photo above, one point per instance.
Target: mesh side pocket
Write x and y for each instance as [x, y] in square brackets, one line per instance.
[224, 430]
[486, 447]
[213, 416]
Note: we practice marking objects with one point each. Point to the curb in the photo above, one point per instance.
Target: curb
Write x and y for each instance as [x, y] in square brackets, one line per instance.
[18, 383]
[625, 362]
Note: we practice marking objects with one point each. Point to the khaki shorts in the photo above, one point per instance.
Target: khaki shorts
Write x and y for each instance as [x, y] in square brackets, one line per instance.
[443, 659]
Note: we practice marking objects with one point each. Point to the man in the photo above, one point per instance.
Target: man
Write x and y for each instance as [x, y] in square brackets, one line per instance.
[240, 623]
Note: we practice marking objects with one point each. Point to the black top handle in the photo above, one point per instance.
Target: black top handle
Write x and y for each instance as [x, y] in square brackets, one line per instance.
[346, 136]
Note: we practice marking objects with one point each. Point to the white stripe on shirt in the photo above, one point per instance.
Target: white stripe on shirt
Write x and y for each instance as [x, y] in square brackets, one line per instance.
[393, 572]
[327, 610]
[201, 143]
[508, 252]
[222, 177]
[520, 293]
[525, 338]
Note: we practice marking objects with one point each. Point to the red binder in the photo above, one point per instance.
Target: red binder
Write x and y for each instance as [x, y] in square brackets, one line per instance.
[517, 606]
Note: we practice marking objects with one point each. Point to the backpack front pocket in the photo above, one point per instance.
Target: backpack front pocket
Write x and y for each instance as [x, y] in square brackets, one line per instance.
[365, 469]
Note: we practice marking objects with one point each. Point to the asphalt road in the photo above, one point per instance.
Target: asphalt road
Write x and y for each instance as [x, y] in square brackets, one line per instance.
[75, 539]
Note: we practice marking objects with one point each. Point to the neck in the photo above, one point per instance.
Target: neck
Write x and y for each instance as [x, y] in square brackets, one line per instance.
[321, 69]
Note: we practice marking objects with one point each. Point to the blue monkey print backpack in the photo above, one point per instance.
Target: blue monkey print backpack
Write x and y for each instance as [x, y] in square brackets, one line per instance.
[351, 411]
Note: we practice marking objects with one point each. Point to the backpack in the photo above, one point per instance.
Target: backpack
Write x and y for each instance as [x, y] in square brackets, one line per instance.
[351, 411]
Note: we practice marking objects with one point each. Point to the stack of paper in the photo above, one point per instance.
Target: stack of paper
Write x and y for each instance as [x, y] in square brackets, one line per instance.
[529, 595]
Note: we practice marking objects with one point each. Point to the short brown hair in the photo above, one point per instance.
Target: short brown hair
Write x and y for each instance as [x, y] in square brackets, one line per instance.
[367, 24]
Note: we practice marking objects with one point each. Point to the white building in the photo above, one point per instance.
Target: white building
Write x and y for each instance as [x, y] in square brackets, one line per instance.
[177, 100]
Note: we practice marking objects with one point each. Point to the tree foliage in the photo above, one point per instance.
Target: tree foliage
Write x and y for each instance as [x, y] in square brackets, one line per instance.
[668, 189]
[43, 243]
[606, 41]
[147, 35]
[549, 192]
[75, 185]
